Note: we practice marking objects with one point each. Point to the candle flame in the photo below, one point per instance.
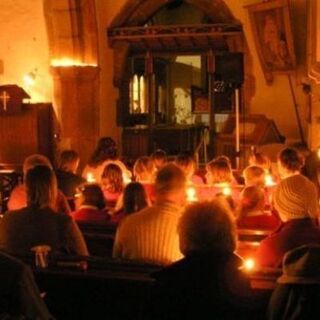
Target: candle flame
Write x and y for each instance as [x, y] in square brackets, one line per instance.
[268, 181]
[249, 264]
[90, 178]
[227, 191]
[191, 194]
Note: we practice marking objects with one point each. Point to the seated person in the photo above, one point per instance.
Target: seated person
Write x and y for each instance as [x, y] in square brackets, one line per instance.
[91, 206]
[296, 295]
[250, 212]
[105, 153]
[134, 199]
[18, 196]
[67, 177]
[208, 282]
[295, 200]
[254, 176]
[144, 172]
[19, 295]
[290, 162]
[159, 158]
[150, 235]
[112, 185]
[187, 163]
[37, 223]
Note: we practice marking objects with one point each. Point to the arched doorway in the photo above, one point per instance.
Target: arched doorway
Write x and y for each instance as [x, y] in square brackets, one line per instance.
[146, 42]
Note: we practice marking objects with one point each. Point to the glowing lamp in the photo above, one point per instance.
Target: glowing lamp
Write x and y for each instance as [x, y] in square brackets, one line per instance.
[226, 191]
[249, 264]
[268, 181]
[191, 194]
[29, 79]
[90, 178]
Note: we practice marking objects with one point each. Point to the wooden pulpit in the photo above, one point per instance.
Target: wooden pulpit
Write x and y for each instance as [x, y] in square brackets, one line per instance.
[11, 98]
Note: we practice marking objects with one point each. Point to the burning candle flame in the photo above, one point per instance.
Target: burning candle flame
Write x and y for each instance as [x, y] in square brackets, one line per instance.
[90, 178]
[268, 181]
[191, 194]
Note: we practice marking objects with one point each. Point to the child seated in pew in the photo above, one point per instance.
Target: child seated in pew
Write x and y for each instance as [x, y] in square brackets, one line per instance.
[112, 185]
[144, 172]
[134, 199]
[91, 205]
[186, 161]
[219, 180]
[159, 158]
[251, 212]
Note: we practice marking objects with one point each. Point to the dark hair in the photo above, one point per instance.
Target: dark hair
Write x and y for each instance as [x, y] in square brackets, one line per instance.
[112, 178]
[291, 159]
[106, 149]
[41, 187]
[92, 195]
[159, 158]
[207, 226]
[134, 198]
[67, 158]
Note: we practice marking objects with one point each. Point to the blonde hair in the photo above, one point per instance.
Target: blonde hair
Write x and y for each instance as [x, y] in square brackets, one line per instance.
[143, 166]
[207, 226]
[254, 175]
[35, 160]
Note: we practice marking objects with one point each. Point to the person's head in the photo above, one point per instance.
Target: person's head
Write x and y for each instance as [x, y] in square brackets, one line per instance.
[159, 158]
[112, 178]
[207, 227]
[41, 187]
[143, 169]
[253, 176]
[260, 160]
[223, 158]
[69, 161]
[92, 195]
[218, 171]
[290, 161]
[106, 149]
[170, 184]
[295, 198]
[35, 160]
[251, 199]
[134, 198]
[186, 161]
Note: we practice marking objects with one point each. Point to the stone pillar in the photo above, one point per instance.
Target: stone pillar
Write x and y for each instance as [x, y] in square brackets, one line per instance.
[76, 97]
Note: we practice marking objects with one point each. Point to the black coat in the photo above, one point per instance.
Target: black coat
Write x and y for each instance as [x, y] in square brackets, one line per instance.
[203, 286]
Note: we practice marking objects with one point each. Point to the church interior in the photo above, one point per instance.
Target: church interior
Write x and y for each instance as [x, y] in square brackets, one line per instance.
[99, 91]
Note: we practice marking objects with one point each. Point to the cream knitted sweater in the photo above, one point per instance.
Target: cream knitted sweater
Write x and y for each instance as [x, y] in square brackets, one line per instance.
[150, 235]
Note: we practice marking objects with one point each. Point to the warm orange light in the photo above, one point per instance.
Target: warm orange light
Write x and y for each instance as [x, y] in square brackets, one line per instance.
[126, 178]
[90, 178]
[68, 62]
[249, 264]
[268, 181]
[29, 79]
[191, 194]
[227, 191]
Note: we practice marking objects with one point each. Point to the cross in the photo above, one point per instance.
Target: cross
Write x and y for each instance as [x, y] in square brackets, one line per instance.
[5, 98]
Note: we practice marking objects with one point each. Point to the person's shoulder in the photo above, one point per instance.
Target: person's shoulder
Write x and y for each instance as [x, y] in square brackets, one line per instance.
[9, 263]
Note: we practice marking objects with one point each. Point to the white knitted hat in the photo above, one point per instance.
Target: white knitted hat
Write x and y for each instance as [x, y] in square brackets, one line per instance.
[296, 198]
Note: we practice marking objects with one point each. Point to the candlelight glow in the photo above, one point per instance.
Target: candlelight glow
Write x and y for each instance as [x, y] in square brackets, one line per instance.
[318, 153]
[268, 180]
[90, 178]
[68, 62]
[249, 264]
[29, 79]
[126, 178]
[227, 191]
[191, 194]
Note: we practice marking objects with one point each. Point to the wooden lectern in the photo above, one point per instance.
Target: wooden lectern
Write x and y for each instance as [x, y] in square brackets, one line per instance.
[254, 130]
[11, 98]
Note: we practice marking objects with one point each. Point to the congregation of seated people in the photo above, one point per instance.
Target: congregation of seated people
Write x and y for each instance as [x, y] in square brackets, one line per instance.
[172, 214]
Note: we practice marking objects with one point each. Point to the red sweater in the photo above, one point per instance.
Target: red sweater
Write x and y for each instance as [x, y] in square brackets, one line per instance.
[289, 235]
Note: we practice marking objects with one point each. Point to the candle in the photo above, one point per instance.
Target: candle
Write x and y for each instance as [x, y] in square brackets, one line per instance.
[90, 178]
[227, 191]
[268, 181]
[191, 194]
[249, 264]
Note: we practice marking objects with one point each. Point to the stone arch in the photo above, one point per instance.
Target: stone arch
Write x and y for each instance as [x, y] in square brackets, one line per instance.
[137, 12]
[72, 30]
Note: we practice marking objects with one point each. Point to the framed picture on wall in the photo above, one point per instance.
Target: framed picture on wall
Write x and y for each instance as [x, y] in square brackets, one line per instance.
[271, 27]
[199, 100]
